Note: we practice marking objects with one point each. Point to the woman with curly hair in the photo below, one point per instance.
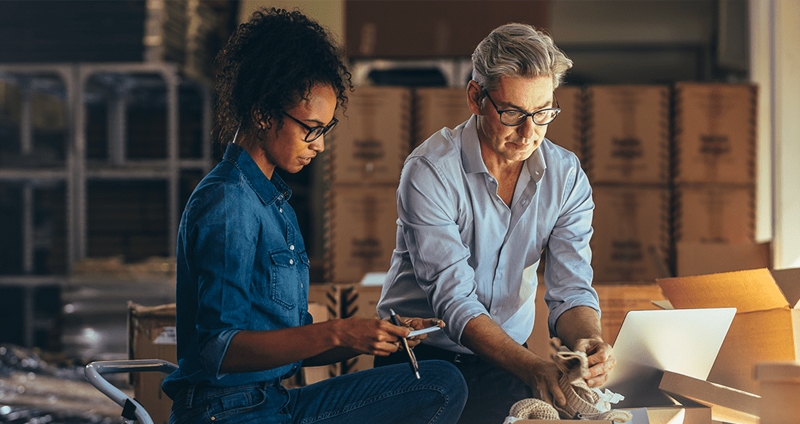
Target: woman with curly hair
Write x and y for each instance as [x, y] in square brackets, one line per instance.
[242, 282]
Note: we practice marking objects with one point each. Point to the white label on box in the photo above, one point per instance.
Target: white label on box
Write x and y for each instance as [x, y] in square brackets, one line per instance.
[167, 337]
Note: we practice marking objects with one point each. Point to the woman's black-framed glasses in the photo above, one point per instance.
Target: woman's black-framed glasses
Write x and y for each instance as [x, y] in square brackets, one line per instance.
[515, 117]
[314, 132]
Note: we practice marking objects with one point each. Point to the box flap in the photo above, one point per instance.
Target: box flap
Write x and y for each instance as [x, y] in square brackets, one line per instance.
[663, 304]
[785, 372]
[697, 258]
[789, 282]
[727, 404]
[747, 291]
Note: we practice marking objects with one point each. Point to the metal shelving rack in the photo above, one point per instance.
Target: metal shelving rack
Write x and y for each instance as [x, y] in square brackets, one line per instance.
[76, 84]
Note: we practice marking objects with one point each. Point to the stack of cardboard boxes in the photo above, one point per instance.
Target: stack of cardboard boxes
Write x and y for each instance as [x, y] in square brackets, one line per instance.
[714, 177]
[627, 161]
[363, 168]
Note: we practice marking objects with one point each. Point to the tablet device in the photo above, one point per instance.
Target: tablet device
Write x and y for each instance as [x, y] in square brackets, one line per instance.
[427, 330]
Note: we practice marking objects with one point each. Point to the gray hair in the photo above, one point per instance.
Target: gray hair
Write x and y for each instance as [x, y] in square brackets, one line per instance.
[517, 50]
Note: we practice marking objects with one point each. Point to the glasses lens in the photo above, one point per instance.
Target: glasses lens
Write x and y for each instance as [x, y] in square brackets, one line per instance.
[512, 117]
[545, 117]
[315, 133]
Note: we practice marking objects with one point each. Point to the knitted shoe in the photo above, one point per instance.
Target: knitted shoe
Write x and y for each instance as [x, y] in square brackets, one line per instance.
[533, 409]
[583, 402]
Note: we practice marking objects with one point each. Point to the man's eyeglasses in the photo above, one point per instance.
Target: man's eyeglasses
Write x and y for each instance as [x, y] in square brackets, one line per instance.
[515, 117]
[314, 132]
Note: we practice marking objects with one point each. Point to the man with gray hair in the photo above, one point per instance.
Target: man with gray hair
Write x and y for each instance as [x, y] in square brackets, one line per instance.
[478, 206]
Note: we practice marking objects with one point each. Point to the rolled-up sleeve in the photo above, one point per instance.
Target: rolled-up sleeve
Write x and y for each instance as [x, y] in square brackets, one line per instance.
[224, 254]
[568, 272]
[427, 212]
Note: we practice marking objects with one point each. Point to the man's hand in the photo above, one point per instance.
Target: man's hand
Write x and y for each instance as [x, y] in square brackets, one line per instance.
[601, 360]
[543, 376]
[419, 324]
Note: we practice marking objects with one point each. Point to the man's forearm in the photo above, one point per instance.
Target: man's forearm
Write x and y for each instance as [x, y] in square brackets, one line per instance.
[581, 322]
[489, 341]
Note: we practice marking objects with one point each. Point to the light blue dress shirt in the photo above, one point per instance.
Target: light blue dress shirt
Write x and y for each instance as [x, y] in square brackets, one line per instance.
[462, 252]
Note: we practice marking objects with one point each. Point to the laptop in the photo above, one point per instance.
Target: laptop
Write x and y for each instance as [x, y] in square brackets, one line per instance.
[685, 341]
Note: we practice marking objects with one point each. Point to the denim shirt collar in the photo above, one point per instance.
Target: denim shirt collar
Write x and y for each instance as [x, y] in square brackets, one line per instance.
[268, 190]
[473, 160]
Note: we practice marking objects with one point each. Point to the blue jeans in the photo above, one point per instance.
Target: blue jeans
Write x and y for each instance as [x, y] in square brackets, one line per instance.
[383, 395]
[492, 390]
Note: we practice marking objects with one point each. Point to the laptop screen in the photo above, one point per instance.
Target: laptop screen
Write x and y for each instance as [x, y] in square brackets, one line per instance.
[685, 341]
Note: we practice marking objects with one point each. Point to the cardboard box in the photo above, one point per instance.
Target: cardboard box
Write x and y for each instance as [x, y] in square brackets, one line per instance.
[436, 108]
[567, 130]
[627, 134]
[361, 231]
[698, 258]
[765, 328]
[152, 335]
[631, 233]
[359, 301]
[323, 304]
[440, 28]
[780, 391]
[678, 414]
[727, 404]
[714, 213]
[372, 138]
[714, 133]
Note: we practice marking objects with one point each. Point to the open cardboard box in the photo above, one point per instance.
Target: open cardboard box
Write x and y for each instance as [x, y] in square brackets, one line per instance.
[766, 328]
[726, 404]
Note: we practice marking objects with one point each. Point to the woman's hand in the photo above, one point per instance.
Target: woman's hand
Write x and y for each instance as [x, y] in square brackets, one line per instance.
[419, 324]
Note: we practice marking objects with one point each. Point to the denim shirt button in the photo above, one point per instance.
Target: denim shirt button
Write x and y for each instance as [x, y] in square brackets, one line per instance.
[291, 261]
[280, 210]
[291, 247]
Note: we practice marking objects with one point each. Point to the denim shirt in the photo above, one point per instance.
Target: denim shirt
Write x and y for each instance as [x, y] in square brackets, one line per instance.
[241, 265]
[462, 251]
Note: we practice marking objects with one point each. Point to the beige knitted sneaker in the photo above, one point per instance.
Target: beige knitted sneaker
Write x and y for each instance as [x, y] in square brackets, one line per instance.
[582, 401]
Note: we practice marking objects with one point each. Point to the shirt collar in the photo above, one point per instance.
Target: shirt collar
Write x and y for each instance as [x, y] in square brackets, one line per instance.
[268, 190]
[473, 160]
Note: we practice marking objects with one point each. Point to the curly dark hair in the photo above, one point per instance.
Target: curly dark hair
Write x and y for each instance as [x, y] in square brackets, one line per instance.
[270, 64]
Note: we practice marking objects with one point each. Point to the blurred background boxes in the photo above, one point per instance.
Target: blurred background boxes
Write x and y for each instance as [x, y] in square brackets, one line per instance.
[436, 108]
[372, 138]
[568, 128]
[718, 213]
[714, 133]
[152, 335]
[627, 134]
[361, 231]
[631, 238]
[359, 300]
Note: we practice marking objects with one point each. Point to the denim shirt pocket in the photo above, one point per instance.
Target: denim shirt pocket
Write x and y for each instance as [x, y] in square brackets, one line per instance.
[286, 277]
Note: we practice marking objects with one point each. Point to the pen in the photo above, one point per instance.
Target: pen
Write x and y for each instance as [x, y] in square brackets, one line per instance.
[411, 358]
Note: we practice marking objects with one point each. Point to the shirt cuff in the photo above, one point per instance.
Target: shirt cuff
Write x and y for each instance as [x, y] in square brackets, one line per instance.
[555, 313]
[214, 352]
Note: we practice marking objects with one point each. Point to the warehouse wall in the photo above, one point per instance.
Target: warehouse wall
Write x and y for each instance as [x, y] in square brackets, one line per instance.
[775, 28]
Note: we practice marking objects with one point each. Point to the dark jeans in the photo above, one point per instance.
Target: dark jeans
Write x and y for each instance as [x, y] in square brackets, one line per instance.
[492, 390]
[381, 396]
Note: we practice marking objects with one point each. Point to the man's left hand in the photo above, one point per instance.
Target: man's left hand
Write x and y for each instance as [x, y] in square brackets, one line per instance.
[601, 360]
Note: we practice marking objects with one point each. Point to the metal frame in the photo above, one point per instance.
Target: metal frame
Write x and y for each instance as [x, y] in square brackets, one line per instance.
[94, 373]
